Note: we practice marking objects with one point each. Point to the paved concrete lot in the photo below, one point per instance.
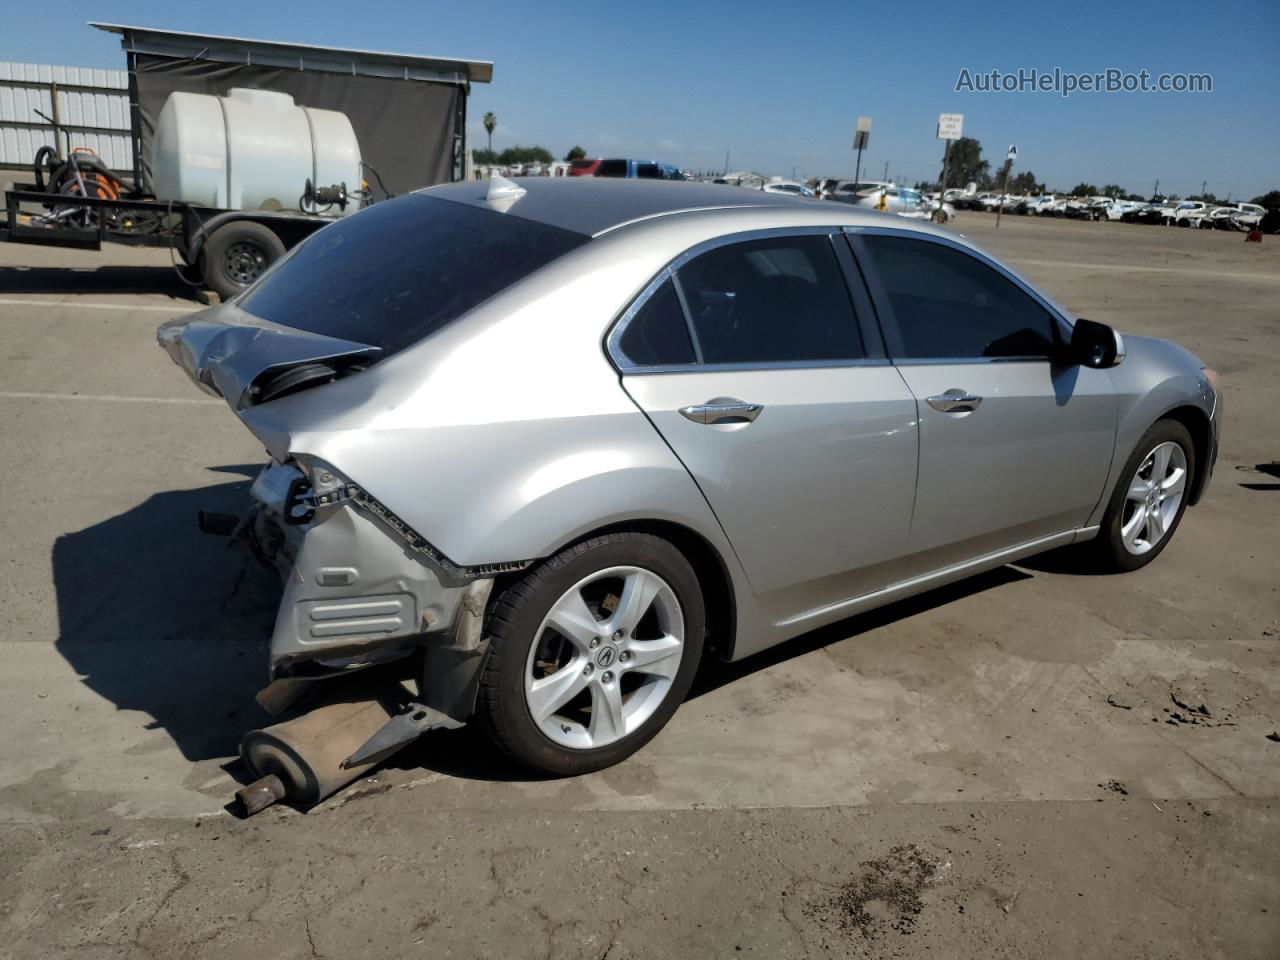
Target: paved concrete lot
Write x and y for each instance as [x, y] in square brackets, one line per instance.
[942, 778]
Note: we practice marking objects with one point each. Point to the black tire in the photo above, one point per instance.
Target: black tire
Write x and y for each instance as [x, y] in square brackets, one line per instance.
[236, 254]
[514, 618]
[1108, 549]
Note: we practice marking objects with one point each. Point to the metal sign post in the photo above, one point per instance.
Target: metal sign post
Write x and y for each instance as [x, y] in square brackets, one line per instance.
[950, 127]
[1004, 182]
[861, 137]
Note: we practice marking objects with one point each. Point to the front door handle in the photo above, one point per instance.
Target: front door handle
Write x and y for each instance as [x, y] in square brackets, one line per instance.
[722, 411]
[955, 401]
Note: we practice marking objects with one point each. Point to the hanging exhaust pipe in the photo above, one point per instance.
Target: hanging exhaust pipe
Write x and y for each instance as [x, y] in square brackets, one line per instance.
[357, 723]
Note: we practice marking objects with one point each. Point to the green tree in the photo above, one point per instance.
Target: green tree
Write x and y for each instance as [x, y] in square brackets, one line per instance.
[1024, 182]
[525, 155]
[490, 124]
[576, 153]
[485, 157]
[965, 163]
[1114, 190]
[1269, 200]
[1084, 190]
[1204, 197]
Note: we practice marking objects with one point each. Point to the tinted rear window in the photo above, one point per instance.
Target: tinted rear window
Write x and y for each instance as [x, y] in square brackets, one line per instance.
[403, 269]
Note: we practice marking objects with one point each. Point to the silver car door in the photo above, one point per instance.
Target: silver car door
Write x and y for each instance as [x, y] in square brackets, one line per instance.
[781, 405]
[1014, 444]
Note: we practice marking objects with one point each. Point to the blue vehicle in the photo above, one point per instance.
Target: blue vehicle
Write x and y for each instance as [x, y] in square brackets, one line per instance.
[642, 169]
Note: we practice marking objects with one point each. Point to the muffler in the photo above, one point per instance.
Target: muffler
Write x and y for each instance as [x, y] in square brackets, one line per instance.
[355, 724]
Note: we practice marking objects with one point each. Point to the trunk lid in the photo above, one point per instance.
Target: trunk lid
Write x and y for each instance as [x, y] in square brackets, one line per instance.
[248, 360]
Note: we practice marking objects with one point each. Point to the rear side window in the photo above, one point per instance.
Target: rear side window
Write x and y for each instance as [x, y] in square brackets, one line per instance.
[657, 334]
[403, 269]
[612, 168]
[649, 171]
[771, 301]
[948, 304]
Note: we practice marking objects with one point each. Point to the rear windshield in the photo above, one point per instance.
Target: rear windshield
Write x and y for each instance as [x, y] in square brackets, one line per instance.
[403, 269]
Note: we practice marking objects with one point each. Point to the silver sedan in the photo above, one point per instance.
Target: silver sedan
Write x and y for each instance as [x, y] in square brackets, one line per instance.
[559, 440]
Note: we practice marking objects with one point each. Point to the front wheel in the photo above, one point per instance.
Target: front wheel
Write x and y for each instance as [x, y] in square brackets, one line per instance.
[591, 653]
[1150, 499]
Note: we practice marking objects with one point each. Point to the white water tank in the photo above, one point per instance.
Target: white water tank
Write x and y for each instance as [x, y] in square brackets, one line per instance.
[250, 150]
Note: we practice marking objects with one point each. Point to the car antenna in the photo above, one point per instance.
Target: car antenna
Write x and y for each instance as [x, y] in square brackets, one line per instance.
[503, 193]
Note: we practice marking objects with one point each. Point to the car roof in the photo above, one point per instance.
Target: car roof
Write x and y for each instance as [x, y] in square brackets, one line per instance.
[594, 205]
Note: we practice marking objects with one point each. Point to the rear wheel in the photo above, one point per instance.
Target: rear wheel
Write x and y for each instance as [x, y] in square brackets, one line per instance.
[236, 254]
[592, 653]
[1150, 499]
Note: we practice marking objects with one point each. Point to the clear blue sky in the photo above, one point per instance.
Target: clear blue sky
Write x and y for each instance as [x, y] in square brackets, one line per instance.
[781, 84]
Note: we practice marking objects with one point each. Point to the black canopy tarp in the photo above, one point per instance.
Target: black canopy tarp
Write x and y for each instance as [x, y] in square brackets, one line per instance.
[408, 113]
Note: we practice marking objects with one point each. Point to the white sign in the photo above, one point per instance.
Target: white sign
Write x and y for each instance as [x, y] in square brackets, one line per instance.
[1013, 152]
[950, 126]
[862, 134]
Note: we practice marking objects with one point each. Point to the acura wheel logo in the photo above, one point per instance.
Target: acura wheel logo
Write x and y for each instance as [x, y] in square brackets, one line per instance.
[606, 657]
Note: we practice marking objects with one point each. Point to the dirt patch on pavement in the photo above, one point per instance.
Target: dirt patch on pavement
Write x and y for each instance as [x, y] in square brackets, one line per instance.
[886, 896]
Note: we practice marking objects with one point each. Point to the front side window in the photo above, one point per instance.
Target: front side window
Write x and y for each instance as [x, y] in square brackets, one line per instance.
[948, 304]
[771, 301]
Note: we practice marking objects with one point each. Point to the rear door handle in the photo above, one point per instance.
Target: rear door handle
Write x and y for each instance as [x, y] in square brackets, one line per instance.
[955, 401]
[721, 411]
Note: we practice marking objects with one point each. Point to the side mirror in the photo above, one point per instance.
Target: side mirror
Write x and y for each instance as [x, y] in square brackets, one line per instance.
[1095, 345]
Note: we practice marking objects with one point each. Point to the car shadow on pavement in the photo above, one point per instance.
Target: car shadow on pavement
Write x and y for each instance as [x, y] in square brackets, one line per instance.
[110, 279]
[160, 619]
[1270, 469]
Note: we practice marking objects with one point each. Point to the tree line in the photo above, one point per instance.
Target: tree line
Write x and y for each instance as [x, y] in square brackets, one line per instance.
[966, 165]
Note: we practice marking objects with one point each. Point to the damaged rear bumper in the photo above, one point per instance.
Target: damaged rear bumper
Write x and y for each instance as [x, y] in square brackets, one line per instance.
[354, 593]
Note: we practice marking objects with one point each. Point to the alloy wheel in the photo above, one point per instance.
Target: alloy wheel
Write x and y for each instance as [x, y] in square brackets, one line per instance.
[1153, 498]
[604, 658]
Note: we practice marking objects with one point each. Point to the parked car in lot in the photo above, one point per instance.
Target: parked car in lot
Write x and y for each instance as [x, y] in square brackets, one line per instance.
[1038, 205]
[793, 187]
[845, 191]
[631, 423]
[1232, 216]
[1187, 212]
[1150, 213]
[637, 169]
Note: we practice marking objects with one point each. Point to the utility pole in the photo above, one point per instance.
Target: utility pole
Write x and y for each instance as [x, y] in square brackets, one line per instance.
[885, 178]
[1155, 191]
[1203, 184]
[950, 127]
[942, 192]
[1004, 182]
[726, 163]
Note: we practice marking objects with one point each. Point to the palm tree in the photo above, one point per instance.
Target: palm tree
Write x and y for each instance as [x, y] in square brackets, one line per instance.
[490, 122]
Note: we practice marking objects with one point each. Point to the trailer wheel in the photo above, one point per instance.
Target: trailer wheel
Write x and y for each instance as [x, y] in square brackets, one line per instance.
[236, 254]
